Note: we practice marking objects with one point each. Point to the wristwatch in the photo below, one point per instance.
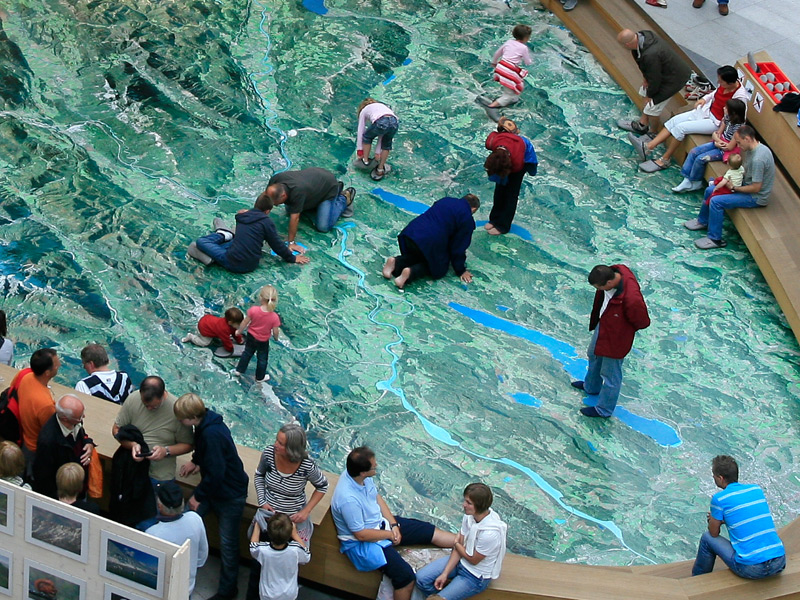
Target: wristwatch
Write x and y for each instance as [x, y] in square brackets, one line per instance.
[393, 525]
[166, 448]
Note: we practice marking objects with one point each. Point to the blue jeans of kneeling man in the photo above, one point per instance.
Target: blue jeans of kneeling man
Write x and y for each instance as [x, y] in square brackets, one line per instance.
[328, 212]
[695, 164]
[711, 547]
[216, 247]
[603, 378]
[462, 585]
[713, 213]
[229, 515]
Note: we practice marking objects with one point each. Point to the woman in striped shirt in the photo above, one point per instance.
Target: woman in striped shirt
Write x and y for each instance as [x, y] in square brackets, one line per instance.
[281, 478]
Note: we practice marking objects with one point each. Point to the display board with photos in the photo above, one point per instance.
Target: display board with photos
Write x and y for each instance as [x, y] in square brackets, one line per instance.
[49, 549]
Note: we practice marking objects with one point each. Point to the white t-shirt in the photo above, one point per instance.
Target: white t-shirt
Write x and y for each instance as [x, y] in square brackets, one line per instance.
[7, 352]
[489, 543]
[279, 569]
[609, 294]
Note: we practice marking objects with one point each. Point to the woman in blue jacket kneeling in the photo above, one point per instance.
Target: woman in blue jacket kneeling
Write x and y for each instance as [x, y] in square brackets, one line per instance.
[434, 240]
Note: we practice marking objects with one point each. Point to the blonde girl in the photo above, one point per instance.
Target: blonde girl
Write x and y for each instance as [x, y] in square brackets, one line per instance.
[262, 322]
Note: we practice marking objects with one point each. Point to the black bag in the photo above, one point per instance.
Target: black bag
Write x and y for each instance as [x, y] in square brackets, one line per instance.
[9, 423]
[789, 103]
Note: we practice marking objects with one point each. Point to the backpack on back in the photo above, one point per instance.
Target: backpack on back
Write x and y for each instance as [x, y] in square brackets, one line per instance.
[9, 411]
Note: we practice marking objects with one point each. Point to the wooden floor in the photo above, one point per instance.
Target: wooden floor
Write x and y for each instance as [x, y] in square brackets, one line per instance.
[772, 234]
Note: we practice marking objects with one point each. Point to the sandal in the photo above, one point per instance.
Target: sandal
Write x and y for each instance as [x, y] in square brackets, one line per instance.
[378, 173]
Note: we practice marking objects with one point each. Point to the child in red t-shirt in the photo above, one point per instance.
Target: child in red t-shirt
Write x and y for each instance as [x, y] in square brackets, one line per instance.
[262, 322]
[212, 328]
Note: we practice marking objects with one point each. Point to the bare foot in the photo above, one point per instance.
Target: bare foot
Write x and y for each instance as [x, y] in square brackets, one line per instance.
[388, 268]
[401, 280]
[494, 231]
[488, 226]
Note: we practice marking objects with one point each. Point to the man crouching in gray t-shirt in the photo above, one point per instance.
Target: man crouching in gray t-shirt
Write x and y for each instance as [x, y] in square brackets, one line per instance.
[759, 177]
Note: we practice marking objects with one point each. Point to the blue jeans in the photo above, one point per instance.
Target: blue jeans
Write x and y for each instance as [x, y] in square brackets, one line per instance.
[261, 349]
[229, 515]
[711, 547]
[386, 126]
[328, 212]
[462, 585]
[216, 247]
[713, 213]
[603, 377]
[695, 164]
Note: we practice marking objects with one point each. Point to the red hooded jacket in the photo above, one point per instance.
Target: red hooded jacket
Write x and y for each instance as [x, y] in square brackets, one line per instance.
[625, 315]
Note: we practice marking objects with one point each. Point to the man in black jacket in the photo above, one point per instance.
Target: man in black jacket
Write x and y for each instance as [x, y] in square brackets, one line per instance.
[240, 252]
[665, 73]
[61, 440]
[223, 487]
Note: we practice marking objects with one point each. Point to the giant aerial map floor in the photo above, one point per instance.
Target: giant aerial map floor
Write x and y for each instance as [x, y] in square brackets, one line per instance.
[125, 127]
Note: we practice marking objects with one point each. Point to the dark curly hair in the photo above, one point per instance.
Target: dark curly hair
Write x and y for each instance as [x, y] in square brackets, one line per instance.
[498, 163]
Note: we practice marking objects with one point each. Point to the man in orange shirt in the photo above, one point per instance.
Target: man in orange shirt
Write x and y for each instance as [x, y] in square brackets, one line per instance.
[36, 403]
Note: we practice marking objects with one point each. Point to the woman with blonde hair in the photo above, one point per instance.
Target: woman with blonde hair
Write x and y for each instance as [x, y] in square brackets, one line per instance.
[383, 124]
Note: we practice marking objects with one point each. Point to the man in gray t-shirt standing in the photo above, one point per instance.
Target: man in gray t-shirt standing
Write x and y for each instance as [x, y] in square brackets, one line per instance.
[311, 189]
[759, 177]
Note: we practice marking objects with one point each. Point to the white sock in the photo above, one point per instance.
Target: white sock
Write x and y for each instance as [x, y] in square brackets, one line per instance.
[227, 235]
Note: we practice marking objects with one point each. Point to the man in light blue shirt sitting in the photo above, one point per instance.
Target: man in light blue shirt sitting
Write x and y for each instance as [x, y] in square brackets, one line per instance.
[754, 551]
[368, 530]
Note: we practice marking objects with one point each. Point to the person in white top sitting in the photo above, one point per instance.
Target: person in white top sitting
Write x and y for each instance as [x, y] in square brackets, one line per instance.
[477, 555]
[102, 382]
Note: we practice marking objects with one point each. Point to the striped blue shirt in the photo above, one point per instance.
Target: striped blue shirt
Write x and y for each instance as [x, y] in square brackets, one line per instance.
[743, 508]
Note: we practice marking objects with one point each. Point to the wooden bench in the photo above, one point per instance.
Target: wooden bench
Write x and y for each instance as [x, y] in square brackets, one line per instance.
[771, 234]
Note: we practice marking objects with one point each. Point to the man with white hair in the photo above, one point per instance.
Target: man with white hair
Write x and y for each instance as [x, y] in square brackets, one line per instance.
[61, 440]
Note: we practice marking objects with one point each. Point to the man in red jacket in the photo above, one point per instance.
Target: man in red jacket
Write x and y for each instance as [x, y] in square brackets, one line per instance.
[618, 313]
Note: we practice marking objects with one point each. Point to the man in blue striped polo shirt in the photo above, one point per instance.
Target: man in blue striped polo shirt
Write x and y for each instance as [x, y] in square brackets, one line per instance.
[754, 551]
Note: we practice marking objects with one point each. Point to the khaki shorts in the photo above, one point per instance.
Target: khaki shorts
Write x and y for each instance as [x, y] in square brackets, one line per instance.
[651, 109]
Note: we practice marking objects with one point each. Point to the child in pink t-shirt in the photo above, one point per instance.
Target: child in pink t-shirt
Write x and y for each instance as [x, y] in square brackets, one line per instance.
[507, 63]
[262, 322]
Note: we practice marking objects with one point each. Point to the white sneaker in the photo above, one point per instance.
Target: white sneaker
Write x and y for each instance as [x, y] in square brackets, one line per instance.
[266, 378]
[683, 186]
[697, 185]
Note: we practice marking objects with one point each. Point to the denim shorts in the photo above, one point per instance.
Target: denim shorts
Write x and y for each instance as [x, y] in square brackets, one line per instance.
[385, 126]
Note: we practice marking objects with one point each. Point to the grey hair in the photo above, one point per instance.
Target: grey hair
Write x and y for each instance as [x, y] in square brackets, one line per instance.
[63, 411]
[295, 442]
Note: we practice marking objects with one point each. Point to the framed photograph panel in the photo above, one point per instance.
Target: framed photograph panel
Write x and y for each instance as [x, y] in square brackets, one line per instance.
[42, 581]
[132, 564]
[7, 509]
[6, 572]
[57, 528]
[112, 592]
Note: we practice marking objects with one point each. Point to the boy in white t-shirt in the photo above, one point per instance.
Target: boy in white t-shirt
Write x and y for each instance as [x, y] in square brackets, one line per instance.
[477, 555]
[279, 558]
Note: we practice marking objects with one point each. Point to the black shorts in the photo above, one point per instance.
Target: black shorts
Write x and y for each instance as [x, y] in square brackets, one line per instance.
[415, 533]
